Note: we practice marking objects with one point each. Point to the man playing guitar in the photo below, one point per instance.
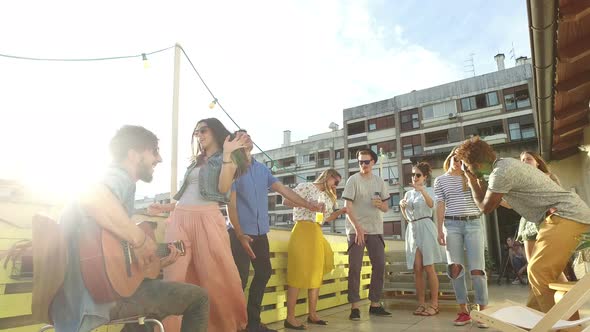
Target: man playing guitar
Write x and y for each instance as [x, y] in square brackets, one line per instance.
[107, 207]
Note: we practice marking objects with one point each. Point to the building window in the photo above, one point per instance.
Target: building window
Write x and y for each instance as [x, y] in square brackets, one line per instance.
[353, 150]
[289, 180]
[310, 178]
[479, 101]
[516, 98]
[279, 199]
[485, 129]
[356, 128]
[339, 154]
[383, 122]
[436, 138]
[522, 128]
[324, 158]
[407, 172]
[411, 146]
[409, 120]
[286, 162]
[390, 175]
[272, 201]
[307, 158]
[440, 110]
[383, 147]
[394, 199]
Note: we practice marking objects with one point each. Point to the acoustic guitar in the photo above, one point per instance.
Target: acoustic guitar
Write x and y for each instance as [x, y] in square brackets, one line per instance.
[109, 267]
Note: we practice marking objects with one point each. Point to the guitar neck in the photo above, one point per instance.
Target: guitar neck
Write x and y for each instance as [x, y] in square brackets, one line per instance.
[162, 250]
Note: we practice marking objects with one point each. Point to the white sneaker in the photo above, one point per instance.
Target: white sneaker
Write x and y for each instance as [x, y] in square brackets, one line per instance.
[516, 282]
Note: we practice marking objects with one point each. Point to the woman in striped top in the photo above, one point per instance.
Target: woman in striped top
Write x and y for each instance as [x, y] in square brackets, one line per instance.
[464, 236]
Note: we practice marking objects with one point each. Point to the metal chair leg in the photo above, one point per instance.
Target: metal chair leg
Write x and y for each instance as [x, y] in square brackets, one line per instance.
[157, 322]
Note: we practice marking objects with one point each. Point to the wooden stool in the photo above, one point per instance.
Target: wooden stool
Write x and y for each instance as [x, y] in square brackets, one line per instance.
[560, 289]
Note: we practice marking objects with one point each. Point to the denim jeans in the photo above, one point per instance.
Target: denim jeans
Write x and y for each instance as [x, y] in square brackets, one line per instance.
[465, 238]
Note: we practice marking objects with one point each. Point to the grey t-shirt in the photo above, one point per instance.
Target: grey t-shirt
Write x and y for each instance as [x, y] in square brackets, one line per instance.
[360, 191]
[531, 193]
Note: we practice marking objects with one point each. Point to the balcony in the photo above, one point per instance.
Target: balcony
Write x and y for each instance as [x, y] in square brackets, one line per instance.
[481, 113]
[496, 139]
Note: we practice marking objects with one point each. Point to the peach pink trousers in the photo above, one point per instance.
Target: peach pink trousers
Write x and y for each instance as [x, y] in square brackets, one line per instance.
[208, 263]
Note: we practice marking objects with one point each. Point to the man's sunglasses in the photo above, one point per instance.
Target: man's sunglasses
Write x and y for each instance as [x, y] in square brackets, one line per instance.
[201, 130]
[364, 162]
[417, 175]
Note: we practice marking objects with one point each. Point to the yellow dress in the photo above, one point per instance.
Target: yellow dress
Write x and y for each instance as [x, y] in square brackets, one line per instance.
[309, 255]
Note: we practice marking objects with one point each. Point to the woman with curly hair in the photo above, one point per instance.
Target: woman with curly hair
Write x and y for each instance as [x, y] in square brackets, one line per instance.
[456, 209]
[422, 249]
[561, 214]
[310, 255]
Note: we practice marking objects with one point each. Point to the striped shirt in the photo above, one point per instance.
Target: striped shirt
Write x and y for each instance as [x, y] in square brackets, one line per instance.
[458, 202]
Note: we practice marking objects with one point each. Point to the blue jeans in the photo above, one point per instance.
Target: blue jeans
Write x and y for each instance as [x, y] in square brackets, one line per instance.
[465, 238]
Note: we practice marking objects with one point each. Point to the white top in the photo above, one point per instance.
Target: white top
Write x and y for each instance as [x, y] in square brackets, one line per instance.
[458, 202]
[310, 192]
[192, 195]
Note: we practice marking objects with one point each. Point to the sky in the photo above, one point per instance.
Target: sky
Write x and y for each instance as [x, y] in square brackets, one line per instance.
[273, 64]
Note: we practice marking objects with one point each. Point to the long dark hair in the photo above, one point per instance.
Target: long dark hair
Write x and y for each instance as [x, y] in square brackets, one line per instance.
[219, 133]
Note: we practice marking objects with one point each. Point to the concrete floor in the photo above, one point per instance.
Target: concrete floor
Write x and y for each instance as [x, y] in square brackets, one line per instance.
[403, 320]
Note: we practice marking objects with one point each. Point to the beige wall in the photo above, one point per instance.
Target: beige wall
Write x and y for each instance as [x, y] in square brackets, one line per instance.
[574, 172]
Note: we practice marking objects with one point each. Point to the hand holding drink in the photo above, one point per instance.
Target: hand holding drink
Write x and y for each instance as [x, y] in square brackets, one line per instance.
[376, 200]
[319, 215]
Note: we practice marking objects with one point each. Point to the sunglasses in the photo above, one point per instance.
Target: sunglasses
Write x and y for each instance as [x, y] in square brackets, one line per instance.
[337, 182]
[156, 151]
[417, 175]
[364, 162]
[201, 130]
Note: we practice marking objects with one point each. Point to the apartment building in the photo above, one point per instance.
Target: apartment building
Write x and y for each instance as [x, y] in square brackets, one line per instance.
[427, 124]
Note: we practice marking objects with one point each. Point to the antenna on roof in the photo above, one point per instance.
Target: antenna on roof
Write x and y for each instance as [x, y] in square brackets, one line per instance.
[469, 65]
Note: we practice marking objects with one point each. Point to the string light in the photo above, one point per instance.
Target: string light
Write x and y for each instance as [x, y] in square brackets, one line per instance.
[146, 63]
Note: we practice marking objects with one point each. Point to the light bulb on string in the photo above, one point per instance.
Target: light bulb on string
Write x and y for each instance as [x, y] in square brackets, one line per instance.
[146, 63]
[213, 103]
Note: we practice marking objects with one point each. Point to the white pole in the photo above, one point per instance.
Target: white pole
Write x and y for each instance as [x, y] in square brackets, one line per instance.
[175, 91]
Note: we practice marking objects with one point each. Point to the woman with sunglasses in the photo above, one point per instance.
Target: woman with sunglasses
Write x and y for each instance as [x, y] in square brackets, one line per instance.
[309, 253]
[456, 210]
[197, 220]
[422, 249]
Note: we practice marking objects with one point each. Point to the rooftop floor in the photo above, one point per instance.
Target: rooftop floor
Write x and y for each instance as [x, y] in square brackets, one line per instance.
[403, 320]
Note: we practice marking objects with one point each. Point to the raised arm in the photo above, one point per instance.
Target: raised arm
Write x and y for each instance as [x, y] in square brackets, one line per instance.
[485, 200]
[292, 199]
[228, 168]
[228, 171]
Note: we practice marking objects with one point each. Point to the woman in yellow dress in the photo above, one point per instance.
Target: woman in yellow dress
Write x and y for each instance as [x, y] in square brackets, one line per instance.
[310, 255]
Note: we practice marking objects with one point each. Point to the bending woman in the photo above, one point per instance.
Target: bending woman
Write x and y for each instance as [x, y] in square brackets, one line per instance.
[310, 255]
